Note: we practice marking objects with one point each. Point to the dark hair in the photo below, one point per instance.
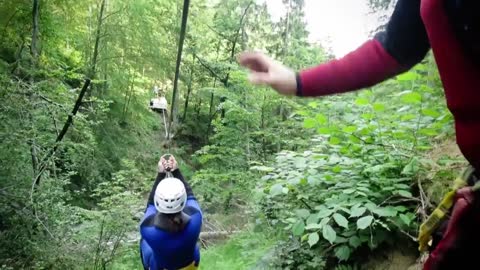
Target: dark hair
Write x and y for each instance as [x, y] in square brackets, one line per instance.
[176, 221]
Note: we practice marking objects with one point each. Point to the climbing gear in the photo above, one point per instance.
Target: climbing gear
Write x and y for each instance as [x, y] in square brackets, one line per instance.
[170, 196]
[441, 213]
[458, 246]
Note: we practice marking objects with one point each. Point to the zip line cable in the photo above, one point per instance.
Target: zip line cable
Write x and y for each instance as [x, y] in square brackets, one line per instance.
[186, 4]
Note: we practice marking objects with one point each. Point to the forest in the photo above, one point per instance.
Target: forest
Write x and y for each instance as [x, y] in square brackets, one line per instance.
[340, 182]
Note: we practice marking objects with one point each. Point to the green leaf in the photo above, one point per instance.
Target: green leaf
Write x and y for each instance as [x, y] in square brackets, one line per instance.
[354, 241]
[302, 213]
[349, 129]
[428, 132]
[337, 169]
[385, 211]
[362, 101]
[321, 119]
[324, 221]
[378, 107]
[334, 140]
[368, 116]
[313, 218]
[325, 213]
[343, 252]
[405, 193]
[412, 167]
[431, 112]
[313, 226]
[405, 219]
[340, 220]
[309, 123]
[313, 238]
[364, 222]
[324, 130]
[262, 168]
[408, 117]
[357, 211]
[298, 228]
[412, 98]
[408, 76]
[341, 240]
[304, 238]
[276, 190]
[329, 233]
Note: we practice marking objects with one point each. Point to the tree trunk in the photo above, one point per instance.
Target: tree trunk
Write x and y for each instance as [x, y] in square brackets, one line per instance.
[174, 110]
[35, 31]
[93, 65]
[198, 107]
[211, 115]
[128, 95]
[189, 89]
[285, 53]
[235, 41]
[262, 125]
[232, 54]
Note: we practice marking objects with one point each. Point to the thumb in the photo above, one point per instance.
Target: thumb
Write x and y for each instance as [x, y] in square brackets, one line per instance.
[260, 78]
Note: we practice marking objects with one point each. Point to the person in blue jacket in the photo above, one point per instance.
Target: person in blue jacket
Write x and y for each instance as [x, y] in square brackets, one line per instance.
[172, 222]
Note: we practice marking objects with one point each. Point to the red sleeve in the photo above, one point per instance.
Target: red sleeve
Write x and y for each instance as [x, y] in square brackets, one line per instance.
[364, 67]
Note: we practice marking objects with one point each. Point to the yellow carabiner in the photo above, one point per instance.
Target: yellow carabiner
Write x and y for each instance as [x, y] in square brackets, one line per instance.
[440, 213]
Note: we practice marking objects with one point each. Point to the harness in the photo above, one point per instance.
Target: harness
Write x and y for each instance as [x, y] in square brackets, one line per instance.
[441, 214]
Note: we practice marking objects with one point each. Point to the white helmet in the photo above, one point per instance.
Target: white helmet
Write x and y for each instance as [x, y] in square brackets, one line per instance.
[170, 196]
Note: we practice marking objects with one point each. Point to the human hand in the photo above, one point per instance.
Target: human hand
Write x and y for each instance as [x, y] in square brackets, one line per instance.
[162, 165]
[266, 71]
[172, 163]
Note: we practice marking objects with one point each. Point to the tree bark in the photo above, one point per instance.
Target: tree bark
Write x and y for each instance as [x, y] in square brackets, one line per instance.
[93, 65]
[211, 115]
[35, 30]
[174, 109]
[128, 96]
[189, 89]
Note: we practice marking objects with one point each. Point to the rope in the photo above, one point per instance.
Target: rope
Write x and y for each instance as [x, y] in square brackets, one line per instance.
[165, 123]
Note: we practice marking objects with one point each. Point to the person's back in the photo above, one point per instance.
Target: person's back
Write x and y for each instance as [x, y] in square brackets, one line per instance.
[170, 229]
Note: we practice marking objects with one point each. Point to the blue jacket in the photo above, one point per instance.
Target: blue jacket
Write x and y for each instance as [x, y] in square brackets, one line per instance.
[171, 250]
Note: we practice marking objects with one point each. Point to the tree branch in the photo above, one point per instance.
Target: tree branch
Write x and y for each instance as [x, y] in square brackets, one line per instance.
[209, 69]
[62, 133]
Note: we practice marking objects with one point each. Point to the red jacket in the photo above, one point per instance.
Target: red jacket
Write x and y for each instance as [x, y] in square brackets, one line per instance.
[450, 27]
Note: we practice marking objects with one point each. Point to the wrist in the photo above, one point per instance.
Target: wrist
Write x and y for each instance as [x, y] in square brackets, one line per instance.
[298, 83]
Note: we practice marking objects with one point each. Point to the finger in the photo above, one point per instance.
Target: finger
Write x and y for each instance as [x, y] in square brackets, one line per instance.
[255, 61]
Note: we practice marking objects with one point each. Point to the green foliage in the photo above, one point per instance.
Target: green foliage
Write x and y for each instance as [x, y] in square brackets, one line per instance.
[242, 251]
[332, 175]
[353, 187]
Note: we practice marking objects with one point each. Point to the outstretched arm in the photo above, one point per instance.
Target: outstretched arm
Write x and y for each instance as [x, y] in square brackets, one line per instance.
[402, 45]
[160, 177]
[177, 174]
